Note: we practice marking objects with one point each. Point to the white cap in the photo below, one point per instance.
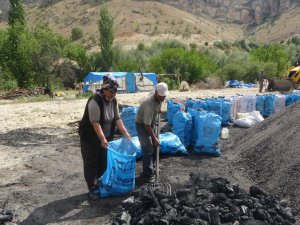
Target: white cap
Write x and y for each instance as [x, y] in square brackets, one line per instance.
[162, 89]
[110, 76]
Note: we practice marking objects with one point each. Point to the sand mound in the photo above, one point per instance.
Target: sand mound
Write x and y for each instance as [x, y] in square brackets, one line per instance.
[269, 154]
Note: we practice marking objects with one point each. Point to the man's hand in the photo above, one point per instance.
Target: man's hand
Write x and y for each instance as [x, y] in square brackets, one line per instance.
[155, 142]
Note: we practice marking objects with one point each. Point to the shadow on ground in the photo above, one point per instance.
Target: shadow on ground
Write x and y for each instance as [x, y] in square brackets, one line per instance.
[70, 210]
[31, 136]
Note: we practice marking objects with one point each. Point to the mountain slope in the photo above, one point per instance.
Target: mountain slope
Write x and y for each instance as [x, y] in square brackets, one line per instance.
[280, 28]
[235, 11]
[133, 22]
[147, 21]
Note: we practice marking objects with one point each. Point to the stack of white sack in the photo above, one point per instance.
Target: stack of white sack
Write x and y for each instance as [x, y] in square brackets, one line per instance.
[248, 119]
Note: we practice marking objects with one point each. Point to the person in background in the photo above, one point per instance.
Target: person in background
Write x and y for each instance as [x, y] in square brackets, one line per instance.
[145, 120]
[261, 77]
[96, 129]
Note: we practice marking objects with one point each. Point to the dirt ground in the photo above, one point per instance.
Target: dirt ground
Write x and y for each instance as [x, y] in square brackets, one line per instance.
[41, 167]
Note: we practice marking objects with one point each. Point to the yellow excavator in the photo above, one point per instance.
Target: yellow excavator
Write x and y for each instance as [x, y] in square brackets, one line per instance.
[290, 82]
[293, 74]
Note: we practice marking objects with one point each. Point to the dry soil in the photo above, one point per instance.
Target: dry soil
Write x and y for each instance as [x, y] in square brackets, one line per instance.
[41, 166]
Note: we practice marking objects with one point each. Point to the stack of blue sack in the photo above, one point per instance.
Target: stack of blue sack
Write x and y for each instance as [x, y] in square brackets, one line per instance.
[194, 113]
[172, 109]
[128, 116]
[182, 127]
[260, 104]
[291, 98]
[269, 105]
[189, 103]
[219, 106]
[226, 111]
[208, 127]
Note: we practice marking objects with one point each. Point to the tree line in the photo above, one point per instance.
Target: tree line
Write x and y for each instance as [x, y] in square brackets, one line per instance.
[37, 56]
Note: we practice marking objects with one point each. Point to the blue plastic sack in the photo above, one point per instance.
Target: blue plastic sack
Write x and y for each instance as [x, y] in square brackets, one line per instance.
[214, 106]
[128, 116]
[132, 147]
[182, 127]
[209, 129]
[172, 109]
[189, 103]
[226, 112]
[289, 99]
[296, 97]
[119, 177]
[193, 113]
[269, 105]
[260, 104]
[135, 141]
[171, 144]
[200, 104]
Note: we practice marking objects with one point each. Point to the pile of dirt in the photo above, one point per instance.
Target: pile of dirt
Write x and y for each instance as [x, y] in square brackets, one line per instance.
[210, 83]
[268, 153]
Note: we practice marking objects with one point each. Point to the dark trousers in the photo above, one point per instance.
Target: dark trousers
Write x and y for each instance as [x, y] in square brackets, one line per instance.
[260, 84]
[149, 152]
[94, 163]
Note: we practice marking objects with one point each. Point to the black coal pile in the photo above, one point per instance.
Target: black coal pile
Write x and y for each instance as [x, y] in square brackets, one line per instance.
[205, 201]
[6, 215]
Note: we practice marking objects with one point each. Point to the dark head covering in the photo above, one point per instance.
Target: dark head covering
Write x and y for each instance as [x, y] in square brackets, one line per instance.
[110, 83]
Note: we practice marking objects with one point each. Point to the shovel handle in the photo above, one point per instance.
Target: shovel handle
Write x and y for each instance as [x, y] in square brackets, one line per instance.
[157, 148]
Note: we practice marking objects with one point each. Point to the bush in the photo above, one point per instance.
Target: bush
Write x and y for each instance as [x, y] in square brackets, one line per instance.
[172, 84]
[7, 82]
[76, 34]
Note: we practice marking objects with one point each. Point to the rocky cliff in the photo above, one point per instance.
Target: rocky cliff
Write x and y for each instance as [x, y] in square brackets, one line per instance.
[233, 11]
[4, 5]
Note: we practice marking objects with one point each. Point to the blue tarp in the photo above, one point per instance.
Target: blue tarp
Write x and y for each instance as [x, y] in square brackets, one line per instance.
[95, 77]
[130, 82]
[129, 77]
[235, 83]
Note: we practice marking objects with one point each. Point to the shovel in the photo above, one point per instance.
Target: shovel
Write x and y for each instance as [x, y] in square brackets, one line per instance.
[157, 186]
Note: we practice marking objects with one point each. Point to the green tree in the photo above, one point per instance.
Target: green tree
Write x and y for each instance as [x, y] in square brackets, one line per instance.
[16, 13]
[3, 40]
[190, 64]
[275, 53]
[232, 71]
[77, 53]
[7, 82]
[49, 51]
[15, 58]
[106, 36]
[16, 61]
